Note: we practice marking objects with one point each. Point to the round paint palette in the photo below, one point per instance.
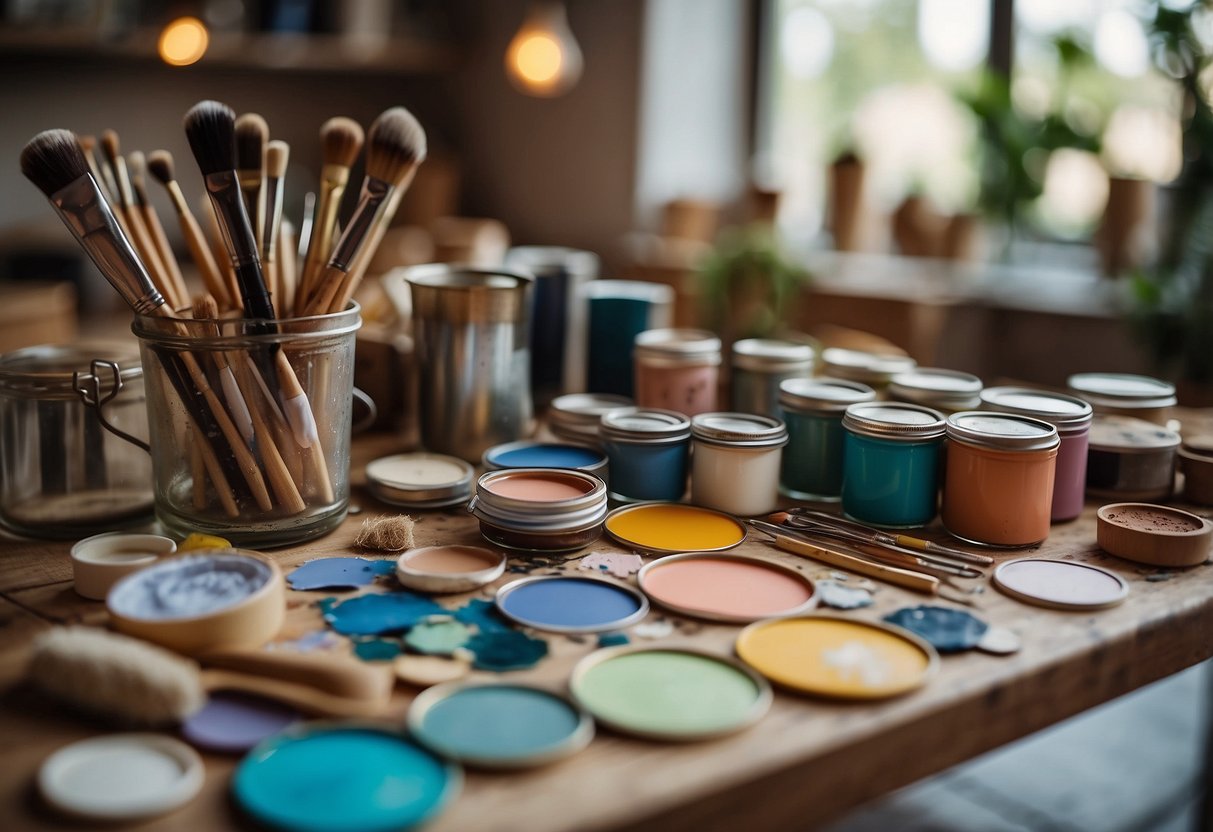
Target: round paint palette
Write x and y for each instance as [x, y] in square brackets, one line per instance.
[449, 568]
[384, 782]
[837, 657]
[1060, 584]
[669, 693]
[705, 586]
[498, 725]
[232, 723]
[420, 480]
[670, 528]
[571, 604]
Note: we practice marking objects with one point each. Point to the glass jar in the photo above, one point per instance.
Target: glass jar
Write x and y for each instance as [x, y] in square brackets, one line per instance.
[759, 365]
[891, 463]
[947, 391]
[998, 484]
[873, 369]
[735, 463]
[1072, 418]
[677, 369]
[812, 409]
[540, 509]
[1122, 394]
[62, 475]
[648, 450]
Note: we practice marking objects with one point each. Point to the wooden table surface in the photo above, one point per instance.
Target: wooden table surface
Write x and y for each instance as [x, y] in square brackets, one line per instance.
[807, 761]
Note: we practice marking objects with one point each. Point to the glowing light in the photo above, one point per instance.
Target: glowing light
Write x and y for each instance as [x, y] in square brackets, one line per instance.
[183, 41]
[1075, 191]
[539, 59]
[543, 59]
[806, 43]
[954, 33]
[1143, 142]
[1120, 44]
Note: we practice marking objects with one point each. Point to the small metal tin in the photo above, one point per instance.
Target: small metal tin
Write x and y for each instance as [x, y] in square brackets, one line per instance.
[575, 417]
[536, 525]
[894, 420]
[677, 347]
[649, 450]
[546, 455]
[871, 368]
[647, 426]
[739, 430]
[812, 409]
[644, 576]
[1131, 459]
[822, 395]
[417, 577]
[641, 602]
[1125, 394]
[944, 390]
[420, 480]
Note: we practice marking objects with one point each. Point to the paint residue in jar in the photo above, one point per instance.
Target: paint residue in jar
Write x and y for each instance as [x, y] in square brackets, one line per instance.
[189, 586]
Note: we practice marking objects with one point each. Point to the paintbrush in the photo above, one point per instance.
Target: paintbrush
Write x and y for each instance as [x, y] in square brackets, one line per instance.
[136, 164]
[277, 154]
[340, 142]
[903, 540]
[395, 146]
[288, 264]
[88, 144]
[252, 133]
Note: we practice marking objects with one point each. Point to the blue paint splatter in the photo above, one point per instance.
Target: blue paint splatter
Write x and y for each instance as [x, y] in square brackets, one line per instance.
[339, 573]
[506, 650]
[378, 649]
[373, 615]
[613, 639]
[483, 615]
[948, 630]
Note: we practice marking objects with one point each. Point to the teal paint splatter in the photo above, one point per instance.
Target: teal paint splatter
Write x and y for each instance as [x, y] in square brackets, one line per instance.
[613, 639]
[506, 650]
[325, 605]
[374, 615]
[378, 649]
[482, 615]
[438, 637]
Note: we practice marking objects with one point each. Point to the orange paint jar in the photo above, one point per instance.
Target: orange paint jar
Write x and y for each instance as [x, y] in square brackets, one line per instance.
[998, 484]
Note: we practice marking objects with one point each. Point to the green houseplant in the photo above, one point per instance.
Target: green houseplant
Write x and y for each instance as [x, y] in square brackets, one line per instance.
[747, 282]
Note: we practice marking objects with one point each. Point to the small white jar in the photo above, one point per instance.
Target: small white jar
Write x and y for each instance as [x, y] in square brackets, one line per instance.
[735, 462]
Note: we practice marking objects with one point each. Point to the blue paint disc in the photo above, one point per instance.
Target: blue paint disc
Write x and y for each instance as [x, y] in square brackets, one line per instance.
[343, 779]
[528, 454]
[566, 604]
[499, 726]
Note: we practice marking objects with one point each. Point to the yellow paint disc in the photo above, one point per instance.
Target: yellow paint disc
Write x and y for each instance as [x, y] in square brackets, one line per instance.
[672, 527]
[837, 657]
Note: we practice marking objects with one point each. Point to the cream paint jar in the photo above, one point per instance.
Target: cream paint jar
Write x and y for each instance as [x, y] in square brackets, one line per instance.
[677, 369]
[735, 462]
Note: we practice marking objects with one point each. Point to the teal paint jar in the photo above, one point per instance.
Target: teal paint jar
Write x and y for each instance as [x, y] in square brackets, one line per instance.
[812, 408]
[892, 455]
[648, 451]
[759, 366]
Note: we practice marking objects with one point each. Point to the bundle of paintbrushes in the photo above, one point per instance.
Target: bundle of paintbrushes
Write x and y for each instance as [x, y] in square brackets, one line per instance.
[248, 381]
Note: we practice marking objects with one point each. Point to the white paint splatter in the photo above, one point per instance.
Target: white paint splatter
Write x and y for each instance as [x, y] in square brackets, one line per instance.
[612, 563]
[834, 594]
[854, 658]
[653, 629]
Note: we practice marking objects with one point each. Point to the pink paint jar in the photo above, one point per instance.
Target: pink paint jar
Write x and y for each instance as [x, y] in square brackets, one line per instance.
[1072, 418]
[540, 509]
[677, 369]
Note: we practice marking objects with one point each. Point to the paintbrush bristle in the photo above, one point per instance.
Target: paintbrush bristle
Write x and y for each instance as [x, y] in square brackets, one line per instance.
[52, 160]
[210, 128]
[341, 140]
[277, 154]
[205, 308]
[395, 143]
[87, 143]
[110, 146]
[160, 165]
[252, 132]
[136, 163]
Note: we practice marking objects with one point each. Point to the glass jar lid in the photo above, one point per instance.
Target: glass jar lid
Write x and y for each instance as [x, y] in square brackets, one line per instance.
[767, 355]
[1122, 390]
[1066, 412]
[678, 346]
[1125, 434]
[45, 371]
[648, 425]
[870, 367]
[831, 395]
[1002, 431]
[893, 420]
[739, 430]
[936, 387]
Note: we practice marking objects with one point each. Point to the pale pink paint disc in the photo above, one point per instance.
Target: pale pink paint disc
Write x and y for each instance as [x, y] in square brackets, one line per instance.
[539, 487]
[1060, 583]
[727, 587]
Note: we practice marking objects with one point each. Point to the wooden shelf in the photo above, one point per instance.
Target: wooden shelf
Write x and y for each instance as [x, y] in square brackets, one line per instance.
[271, 52]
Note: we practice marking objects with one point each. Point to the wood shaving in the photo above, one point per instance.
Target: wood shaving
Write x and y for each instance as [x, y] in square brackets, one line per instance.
[387, 534]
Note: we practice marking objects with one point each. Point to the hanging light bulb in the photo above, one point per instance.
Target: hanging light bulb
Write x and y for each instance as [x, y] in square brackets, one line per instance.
[544, 59]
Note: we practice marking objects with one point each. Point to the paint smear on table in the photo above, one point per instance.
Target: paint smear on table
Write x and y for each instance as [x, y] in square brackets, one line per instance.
[339, 573]
[834, 594]
[482, 615]
[613, 639]
[612, 563]
[506, 650]
[306, 643]
[438, 636]
[378, 649]
[373, 615]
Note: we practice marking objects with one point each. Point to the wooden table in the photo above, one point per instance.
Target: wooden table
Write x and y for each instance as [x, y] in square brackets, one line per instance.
[807, 761]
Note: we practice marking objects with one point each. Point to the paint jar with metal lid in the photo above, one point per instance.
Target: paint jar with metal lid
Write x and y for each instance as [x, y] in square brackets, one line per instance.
[540, 509]
[574, 417]
[648, 450]
[1123, 394]
[812, 409]
[1072, 418]
[1131, 459]
[873, 369]
[735, 464]
[759, 365]
[891, 460]
[947, 391]
[998, 482]
[677, 369]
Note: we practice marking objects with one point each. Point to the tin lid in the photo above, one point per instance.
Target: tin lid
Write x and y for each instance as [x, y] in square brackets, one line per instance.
[45, 371]
[678, 346]
[1127, 435]
[894, 420]
[648, 425]
[767, 355]
[936, 387]
[869, 367]
[1006, 432]
[1066, 412]
[420, 480]
[578, 414]
[823, 394]
[739, 430]
[1122, 390]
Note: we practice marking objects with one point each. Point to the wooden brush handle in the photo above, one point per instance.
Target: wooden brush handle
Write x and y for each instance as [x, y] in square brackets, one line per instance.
[172, 271]
[328, 285]
[909, 579]
[335, 675]
[200, 251]
[306, 699]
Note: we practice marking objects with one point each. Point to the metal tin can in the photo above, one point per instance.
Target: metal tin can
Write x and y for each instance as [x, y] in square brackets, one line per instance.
[1123, 394]
[759, 365]
[648, 450]
[1072, 418]
[540, 509]
[998, 484]
[891, 462]
[677, 369]
[575, 417]
[812, 409]
[947, 391]
[1131, 459]
[735, 464]
[873, 369]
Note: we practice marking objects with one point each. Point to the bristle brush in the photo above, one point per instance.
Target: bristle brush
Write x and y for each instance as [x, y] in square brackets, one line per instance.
[251, 134]
[139, 233]
[341, 141]
[277, 155]
[136, 164]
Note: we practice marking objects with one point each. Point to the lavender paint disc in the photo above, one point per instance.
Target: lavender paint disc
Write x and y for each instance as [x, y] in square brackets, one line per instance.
[233, 723]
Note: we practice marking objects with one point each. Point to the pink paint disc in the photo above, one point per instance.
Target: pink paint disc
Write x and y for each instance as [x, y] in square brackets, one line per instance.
[539, 486]
[731, 588]
[1063, 584]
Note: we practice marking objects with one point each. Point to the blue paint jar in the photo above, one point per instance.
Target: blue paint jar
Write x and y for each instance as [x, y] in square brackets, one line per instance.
[648, 451]
[812, 408]
[892, 455]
